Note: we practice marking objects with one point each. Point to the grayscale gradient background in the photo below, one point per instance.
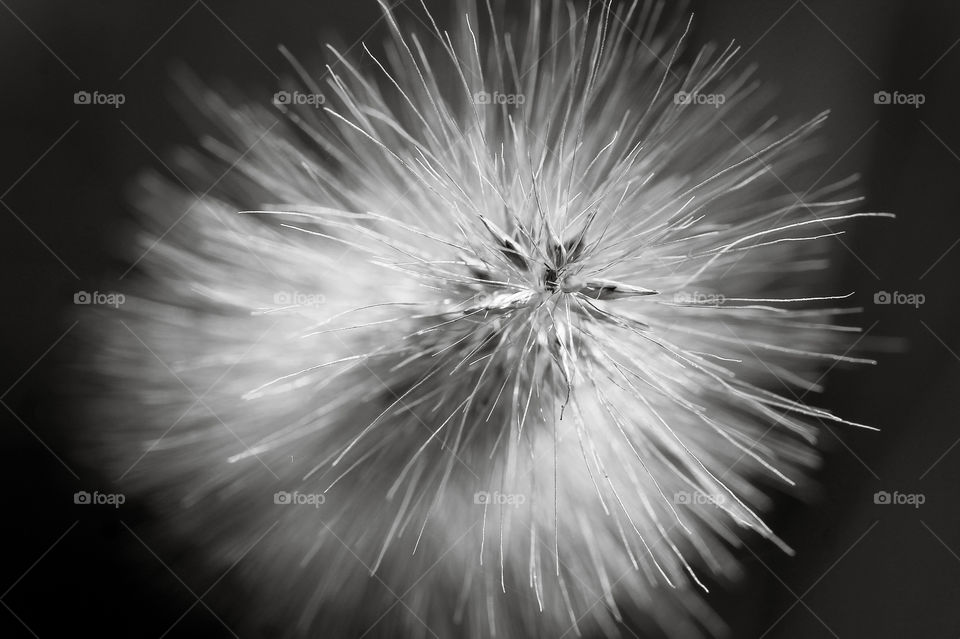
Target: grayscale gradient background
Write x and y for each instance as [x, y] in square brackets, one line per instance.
[862, 569]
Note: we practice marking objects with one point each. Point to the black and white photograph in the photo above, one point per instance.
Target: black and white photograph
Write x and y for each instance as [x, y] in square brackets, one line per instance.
[480, 319]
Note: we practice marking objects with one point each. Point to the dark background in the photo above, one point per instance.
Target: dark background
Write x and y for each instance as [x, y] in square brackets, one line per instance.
[861, 570]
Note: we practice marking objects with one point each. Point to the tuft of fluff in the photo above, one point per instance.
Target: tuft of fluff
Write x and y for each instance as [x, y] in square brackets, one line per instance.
[505, 340]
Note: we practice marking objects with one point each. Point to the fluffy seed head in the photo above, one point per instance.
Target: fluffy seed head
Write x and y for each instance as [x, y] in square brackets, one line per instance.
[511, 337]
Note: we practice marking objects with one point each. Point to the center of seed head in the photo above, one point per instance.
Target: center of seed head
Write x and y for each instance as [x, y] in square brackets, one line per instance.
[559, 258]
[554, 280]
[550, 278]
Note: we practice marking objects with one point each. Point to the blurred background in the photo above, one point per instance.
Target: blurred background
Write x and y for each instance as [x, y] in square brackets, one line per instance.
[862, 569]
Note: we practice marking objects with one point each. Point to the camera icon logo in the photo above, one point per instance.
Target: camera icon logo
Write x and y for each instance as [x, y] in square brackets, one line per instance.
[682, 97]
[482, 497]
[881, 297]
[481, 97]
[282, 98]
[682, 498]
[882, 97]
[82, 297]
[82, 97]
[81, 497]
[283, 298]
[881, 497]
[282, 497]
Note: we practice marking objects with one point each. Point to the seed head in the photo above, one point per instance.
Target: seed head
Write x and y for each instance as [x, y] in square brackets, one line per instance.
[511, 337]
